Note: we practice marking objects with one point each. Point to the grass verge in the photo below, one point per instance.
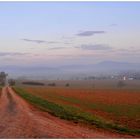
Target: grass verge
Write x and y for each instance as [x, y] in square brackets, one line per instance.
[72, 113]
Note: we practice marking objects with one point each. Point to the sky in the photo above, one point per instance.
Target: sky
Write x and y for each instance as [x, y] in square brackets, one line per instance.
[69, 33]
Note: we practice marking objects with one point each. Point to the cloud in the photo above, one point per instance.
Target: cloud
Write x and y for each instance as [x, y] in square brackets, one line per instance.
[90, 33]
[35, 41]
[128, 51]
[40, 41]
[67, 43]
[52, 42]
[94, 47]
[57, 48]
[68, 37]
[12, 54]
[112, 25]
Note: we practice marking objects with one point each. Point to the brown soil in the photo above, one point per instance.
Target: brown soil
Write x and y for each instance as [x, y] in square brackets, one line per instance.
[123, 120]
[106, 96]
[19, 119]
[132, 123]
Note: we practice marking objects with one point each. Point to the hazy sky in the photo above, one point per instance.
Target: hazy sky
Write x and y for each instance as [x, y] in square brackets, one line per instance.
[69, 32]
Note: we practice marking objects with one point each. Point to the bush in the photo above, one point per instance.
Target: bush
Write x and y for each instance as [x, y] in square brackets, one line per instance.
[67, 85]
[52, 84]
[33, 83]
[11, 82]
[121, 84]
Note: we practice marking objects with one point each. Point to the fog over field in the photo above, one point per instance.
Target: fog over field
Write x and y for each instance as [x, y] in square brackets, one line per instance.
[69, 71]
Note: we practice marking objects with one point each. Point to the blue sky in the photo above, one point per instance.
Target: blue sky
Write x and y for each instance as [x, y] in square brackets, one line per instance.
[62, 33]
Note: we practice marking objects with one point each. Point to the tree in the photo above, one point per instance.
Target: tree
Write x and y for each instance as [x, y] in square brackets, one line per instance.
[67, 85]
[52, 84]
[11, 82]
[121, 84]
[3, 76]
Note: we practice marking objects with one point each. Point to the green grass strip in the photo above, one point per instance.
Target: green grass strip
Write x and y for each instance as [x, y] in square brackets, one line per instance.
[72, 113]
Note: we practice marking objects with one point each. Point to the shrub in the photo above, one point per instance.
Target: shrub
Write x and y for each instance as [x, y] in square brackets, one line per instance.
[11, 82]
[33, 83]
[121, 84]
[67, 85]
[52, 84]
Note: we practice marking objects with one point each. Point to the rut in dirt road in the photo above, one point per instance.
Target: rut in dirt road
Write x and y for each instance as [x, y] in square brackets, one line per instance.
[14, 123]
[11, 107]
[19, 119]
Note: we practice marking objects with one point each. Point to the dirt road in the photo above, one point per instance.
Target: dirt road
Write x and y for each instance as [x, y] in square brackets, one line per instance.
[19, 119]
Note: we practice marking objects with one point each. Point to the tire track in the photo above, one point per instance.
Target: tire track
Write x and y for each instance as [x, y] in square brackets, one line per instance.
[0, 92]
[14, 123]
[11, 107]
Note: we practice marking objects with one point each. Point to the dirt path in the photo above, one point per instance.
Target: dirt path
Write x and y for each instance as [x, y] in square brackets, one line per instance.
[19, 119]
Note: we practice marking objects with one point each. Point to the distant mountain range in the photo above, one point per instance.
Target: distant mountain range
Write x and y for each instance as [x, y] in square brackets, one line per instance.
[105, 67]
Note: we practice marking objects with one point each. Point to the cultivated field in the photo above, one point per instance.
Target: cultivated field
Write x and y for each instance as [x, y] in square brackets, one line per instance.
[88, 84]
[110, 107]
